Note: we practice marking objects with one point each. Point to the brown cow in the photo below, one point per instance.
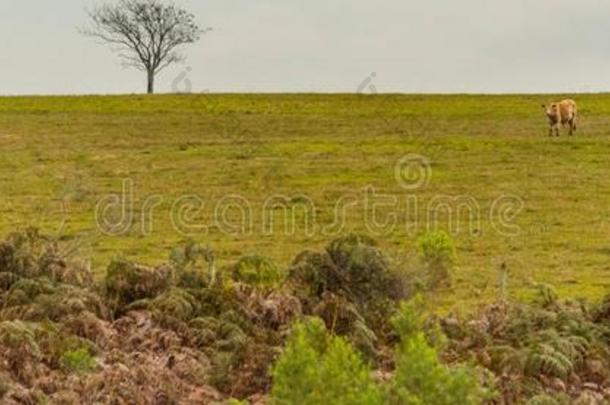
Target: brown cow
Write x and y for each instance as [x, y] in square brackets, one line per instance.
[563, 112]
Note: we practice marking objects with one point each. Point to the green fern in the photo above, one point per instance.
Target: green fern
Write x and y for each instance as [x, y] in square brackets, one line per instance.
[544, 359]
[506, 359]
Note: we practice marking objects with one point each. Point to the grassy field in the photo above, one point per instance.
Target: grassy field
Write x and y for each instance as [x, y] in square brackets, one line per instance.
[59, 156]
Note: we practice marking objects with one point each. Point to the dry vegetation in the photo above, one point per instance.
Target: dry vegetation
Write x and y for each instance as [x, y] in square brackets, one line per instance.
[189, 332]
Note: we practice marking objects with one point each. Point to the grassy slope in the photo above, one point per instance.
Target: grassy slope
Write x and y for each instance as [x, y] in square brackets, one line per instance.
[59, 155]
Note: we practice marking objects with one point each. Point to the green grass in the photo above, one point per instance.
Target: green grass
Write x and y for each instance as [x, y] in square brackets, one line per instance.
[60, 155]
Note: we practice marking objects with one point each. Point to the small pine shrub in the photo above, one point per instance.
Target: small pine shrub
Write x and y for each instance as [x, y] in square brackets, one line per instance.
[437, 251]
[77, 361]
[408, 320]
[420, 377]
[436, 246]
[318, 369]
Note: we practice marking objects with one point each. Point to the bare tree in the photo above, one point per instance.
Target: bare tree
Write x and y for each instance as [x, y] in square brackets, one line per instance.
[146, 33]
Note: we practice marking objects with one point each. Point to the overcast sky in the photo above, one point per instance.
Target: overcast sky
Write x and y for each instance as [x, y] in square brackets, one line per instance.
[446, 46]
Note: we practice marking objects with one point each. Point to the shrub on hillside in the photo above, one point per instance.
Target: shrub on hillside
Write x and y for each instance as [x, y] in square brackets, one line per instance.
[20, 252]
[316, 368]
[77, 361]
[38, 284]
[352, 287]
[352, 268]
[437, 251]
[545, 347]
[41, 299]
[342, 318]
[257, 271]
[20, 350]
[420, 377]
[195, 265]
[127, 282]
[172, 308]
[32, 255]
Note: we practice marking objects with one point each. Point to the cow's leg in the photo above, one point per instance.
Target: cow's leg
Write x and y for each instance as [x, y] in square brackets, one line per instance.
[557, 130]
[574, 124]
[571, 127]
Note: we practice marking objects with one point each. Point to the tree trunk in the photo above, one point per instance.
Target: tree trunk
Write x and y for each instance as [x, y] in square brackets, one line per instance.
[151, 82]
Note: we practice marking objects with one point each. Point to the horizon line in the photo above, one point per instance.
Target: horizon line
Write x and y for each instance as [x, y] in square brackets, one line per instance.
[303, 93]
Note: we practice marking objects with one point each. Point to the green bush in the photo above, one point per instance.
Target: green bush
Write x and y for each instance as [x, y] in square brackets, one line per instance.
[318, 369]
[77, 361]
[257, 271]
[437, 251]
[343, 318]
[195, 265]
[171, 308]
[420, 377]
[408, 320]
[436, 247]
[352, 268]
[127, 282]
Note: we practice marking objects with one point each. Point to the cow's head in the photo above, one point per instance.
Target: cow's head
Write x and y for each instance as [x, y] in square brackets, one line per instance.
[551, 111]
